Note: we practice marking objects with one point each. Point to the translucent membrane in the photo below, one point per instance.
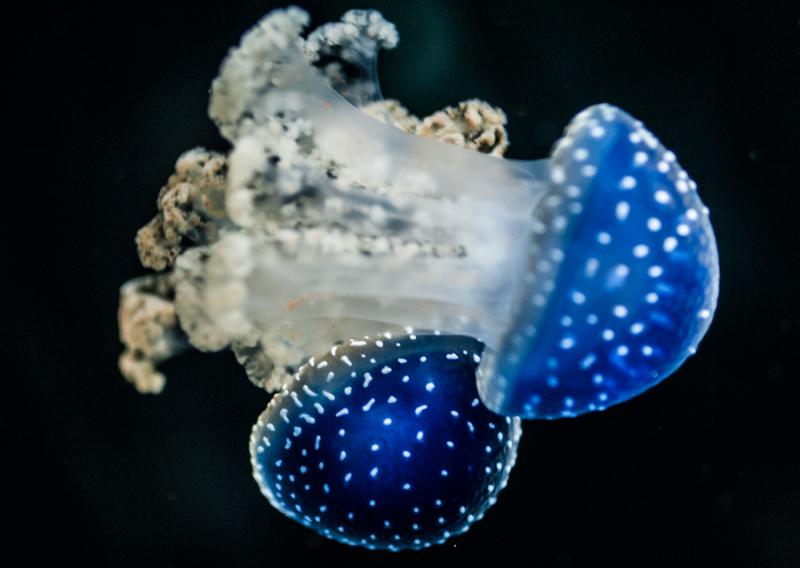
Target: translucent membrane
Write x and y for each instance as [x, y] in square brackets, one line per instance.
[455, 225]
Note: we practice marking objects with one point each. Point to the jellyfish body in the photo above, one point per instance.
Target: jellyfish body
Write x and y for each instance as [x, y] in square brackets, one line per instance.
[622, 278]
[383, 443]
[562, 285]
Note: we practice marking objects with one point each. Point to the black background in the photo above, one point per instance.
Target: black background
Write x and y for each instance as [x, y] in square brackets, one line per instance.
[702, 469]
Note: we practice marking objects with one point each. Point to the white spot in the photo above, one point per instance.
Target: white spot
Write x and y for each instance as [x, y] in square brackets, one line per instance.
[387, 421]
[386, 370]
[580, 154]
[622, 350]
[655, 271]
[662, 196]
[653, 224]
[420, 409]
[420, 435]
[430, 386]
[342, 455]
[621, 272]
[373, 472]
[683, 230]
[603, 238]
[651, 298]
[608, 335]
[406, 378]
[597, 132]
[374, 447]
[670, 243]
[637, 328]
[647, 350]
[342, 412]
[591, 267]
[592, 319]
[588, 361]
[623, 208]
[588, 171]
[452, 356]
[557, 174]
[406, 454]
[692, 214]
[628, 182]
[567, 343]
[634, 138]
[663, 167]
[704, 314]
[578, 297]
[369, 404]
[681, 186]
[640, 251]
[423, 359]
[620, 311]
[639, 159]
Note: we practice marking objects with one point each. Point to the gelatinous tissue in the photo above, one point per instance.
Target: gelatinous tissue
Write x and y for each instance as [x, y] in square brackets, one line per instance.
[399, 282]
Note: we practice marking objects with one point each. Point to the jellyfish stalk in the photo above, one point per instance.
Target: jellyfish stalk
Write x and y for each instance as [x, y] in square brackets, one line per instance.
[447, 228]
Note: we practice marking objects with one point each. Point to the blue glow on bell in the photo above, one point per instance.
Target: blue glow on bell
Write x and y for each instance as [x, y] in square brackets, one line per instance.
[383, 443]
[622, 279]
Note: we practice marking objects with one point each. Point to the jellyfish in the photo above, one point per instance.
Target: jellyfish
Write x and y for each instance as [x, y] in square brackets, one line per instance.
[382, 442]
[590, 276]
[410, 301]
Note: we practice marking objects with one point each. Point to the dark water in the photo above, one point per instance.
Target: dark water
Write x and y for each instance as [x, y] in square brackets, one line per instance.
[704, 468]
